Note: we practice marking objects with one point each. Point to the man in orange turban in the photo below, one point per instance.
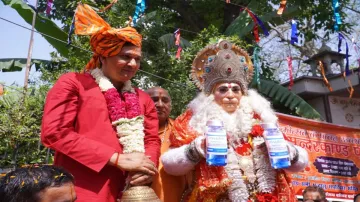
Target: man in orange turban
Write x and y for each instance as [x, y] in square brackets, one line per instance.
[100, 127]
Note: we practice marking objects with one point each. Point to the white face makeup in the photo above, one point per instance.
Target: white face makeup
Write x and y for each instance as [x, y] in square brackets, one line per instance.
[228, 96]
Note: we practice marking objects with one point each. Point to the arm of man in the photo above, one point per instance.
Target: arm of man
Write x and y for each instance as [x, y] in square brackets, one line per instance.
[176, 162]
[299, 158]
[58, 131]
[151, 140]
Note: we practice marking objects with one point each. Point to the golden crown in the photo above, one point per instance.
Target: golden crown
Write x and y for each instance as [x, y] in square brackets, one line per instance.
[221, 62]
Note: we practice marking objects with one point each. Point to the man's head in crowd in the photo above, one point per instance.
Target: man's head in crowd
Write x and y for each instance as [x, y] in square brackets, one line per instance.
[162, 102]
[357, 198]
[314, 194]
[37, 184]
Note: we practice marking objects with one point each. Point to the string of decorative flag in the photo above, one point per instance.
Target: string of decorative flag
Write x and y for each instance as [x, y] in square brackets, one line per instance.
[140, 9]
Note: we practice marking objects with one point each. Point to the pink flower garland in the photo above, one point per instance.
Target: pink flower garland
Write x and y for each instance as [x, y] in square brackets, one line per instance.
[125, 115]
[119, 109]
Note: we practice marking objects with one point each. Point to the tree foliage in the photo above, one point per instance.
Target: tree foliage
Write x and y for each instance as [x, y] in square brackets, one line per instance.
[20, 121]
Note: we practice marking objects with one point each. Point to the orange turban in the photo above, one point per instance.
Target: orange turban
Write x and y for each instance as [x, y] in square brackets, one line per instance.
[105, 41]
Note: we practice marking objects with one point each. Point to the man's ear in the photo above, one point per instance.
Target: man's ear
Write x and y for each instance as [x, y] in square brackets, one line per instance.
[102, 59]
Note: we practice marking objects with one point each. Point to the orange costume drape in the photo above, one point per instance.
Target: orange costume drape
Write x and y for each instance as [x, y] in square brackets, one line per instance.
[212, 182]
[168, 188]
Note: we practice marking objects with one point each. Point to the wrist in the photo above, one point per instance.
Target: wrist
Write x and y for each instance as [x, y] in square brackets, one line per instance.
[191, 153]
[112, 160]
[115, 160]
[296, 155]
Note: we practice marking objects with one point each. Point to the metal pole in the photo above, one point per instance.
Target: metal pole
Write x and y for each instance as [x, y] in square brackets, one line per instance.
[28, 62]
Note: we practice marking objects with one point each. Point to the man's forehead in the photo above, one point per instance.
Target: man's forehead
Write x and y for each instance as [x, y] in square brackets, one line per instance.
[131, 49]
[228, 84]
[154, 92]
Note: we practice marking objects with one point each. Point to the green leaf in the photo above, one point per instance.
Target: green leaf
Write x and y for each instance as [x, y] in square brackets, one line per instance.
[17, 64]
[288, 99]
[169, 41]
[42, 24]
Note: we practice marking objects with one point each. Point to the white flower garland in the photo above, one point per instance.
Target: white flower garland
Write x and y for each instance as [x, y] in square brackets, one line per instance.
[130, 131]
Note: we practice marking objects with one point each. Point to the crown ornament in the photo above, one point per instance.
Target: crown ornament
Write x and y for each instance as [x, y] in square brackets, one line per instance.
[221, 62]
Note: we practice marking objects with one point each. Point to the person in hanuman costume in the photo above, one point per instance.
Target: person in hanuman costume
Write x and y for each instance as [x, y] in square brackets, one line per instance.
[223, 71]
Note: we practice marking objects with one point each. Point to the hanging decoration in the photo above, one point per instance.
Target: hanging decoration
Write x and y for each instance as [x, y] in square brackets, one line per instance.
[256, 66]
[257, 22]
[335, 4]
[282, 7]
[294, 34]
[140, 9]
[322, 70]
[350, 89]
[108, 6]
[347, 70]
[48, 6]
[289, 60]
[177, 43]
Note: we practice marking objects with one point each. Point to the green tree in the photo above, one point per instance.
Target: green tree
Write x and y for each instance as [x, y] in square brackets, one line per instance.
[20, 121]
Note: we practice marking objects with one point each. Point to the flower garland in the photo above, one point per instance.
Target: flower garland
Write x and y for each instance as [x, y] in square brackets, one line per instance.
[252, 158]
[125, 115]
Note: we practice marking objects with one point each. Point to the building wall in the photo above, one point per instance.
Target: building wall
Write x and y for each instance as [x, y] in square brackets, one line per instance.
[318, 104]
[345, 111]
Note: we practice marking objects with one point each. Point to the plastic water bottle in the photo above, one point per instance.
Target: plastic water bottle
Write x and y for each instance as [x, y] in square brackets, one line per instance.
[277, 146]
[216, 143]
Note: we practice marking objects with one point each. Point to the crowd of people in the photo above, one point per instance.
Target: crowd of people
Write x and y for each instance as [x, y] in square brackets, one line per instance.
[111, 136]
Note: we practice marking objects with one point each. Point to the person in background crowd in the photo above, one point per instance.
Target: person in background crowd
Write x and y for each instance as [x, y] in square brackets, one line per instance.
[87, 115]
[37, 184]
[357, 198]
[314, 194]
[168, 188]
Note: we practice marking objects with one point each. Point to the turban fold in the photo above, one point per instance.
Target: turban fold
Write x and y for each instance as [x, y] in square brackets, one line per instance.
[105, 41]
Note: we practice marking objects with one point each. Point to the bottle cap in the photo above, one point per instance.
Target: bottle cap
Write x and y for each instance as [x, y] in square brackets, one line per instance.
[214, 122]
[268, 125]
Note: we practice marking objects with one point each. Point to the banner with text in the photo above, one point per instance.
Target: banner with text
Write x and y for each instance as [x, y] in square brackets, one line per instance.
[334, 156]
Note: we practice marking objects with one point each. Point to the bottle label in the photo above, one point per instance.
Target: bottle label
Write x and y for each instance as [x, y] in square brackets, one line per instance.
[276, 145]
[216, 142]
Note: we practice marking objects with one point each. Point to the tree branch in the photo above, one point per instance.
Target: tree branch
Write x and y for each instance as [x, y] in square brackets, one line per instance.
[356, 11]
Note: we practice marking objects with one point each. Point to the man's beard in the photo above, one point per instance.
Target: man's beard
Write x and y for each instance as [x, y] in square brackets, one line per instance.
[205, 108]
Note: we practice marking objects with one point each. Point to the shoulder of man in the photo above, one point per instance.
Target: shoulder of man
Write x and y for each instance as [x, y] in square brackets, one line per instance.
[77, 79]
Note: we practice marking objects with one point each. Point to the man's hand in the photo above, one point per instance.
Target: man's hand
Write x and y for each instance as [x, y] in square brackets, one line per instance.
[139, 178]
[134, 162]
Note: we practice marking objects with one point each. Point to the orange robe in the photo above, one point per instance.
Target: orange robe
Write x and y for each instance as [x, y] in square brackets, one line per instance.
[169, 188]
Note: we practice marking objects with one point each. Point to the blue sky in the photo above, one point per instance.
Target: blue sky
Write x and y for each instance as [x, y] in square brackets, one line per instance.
[14, 43]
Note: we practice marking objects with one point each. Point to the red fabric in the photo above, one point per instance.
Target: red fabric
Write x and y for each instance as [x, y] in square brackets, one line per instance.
[76, 125]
